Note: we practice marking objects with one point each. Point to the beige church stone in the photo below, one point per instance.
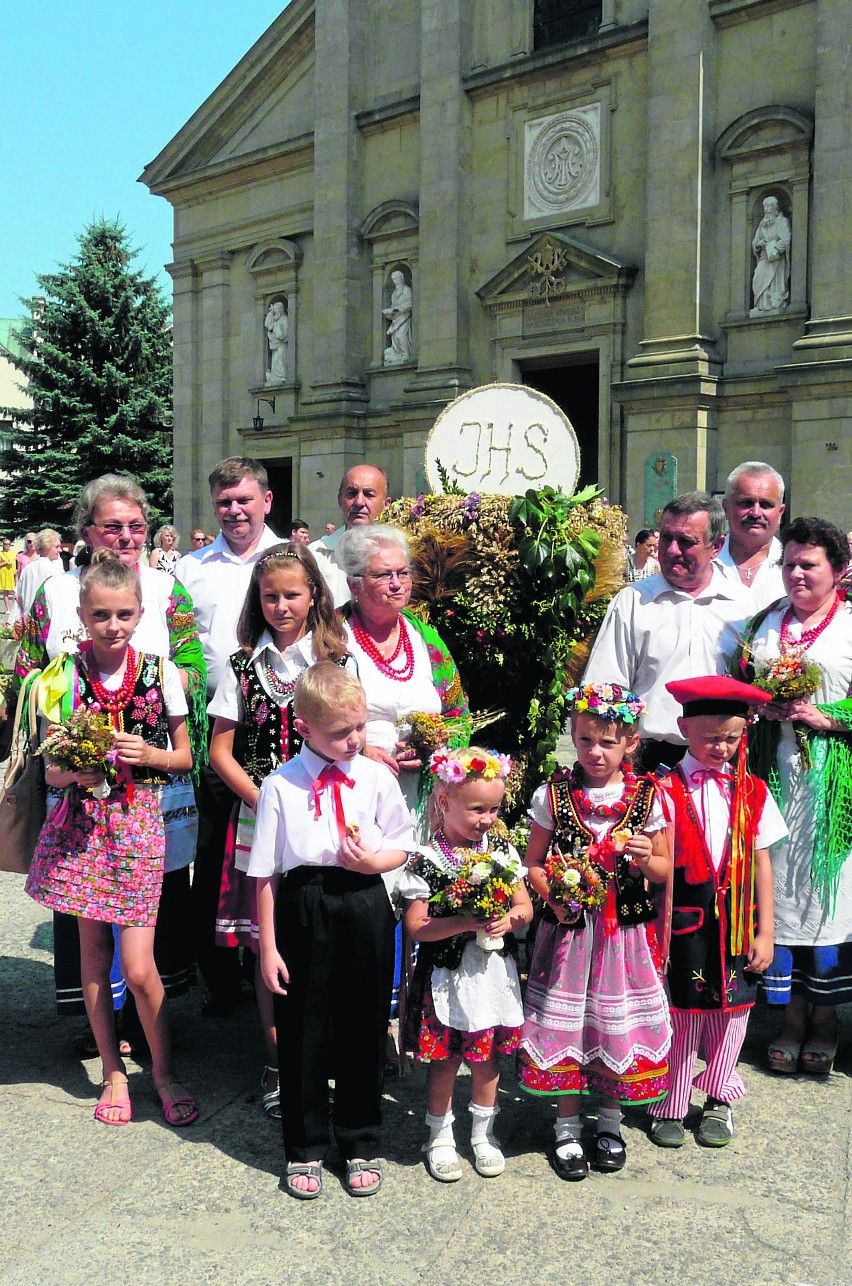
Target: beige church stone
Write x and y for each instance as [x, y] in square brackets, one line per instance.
[578, 215]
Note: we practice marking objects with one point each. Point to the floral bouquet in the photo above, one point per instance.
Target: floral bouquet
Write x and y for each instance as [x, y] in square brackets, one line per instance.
[425, 733]
[84, 742]
[482, 887]
[790, 677]
[575, 882]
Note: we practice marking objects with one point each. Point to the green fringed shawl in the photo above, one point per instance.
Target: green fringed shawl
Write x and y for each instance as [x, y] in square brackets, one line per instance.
[187, 653]
[830, 782]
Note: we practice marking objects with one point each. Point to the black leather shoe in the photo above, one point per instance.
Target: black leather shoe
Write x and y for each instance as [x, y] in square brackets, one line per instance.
[610, 1151]
[572, 1167]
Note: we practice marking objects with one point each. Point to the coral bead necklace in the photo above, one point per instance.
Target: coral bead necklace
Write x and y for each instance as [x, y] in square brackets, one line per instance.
[385, 665]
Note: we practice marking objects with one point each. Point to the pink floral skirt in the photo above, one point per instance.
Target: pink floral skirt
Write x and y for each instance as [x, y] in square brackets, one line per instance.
[596, 1016]
[101, 859]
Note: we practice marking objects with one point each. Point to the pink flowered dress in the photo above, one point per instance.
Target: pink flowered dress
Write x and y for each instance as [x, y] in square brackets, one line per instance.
[102, 859]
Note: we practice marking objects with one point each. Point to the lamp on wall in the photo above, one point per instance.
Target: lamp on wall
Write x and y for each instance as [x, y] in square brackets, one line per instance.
[257, 420]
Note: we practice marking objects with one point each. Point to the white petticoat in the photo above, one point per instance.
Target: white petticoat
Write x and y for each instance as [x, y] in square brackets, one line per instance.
[483, 992]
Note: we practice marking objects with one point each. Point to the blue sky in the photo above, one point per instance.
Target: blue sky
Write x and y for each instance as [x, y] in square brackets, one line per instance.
[89, 94]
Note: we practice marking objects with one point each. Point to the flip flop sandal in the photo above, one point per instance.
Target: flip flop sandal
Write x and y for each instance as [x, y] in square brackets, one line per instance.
[271, 1097]
[170, 1105]
[312, 1169]
[363, 1167]
[118, 1098]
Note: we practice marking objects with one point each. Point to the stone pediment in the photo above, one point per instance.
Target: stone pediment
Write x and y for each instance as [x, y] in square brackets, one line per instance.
[766, 129]
[264, 104]
[554, 267]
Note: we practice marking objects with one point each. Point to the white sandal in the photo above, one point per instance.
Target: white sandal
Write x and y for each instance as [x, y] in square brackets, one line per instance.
[442, 1160]
[487, 1157]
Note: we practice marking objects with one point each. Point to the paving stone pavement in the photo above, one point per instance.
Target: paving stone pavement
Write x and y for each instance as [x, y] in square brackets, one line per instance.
[155, 1206]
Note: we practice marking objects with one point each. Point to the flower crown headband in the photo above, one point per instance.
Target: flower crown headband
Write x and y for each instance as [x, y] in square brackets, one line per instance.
[607, 701]
[454, 766]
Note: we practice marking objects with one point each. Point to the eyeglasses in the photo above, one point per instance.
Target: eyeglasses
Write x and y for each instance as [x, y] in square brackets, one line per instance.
[116, 528]
[386, 577]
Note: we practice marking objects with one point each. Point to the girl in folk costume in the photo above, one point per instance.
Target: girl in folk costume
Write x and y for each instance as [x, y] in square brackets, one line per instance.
[287, 622]
[721, 904]
[100, 853]
[465, 1002]
[595, 1013]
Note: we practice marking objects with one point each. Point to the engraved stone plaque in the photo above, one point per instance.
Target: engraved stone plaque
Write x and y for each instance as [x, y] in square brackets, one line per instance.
[562, 162]
[504, 438]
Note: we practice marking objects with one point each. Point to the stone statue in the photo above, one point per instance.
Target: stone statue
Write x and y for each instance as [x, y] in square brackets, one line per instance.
[771, 245]
[399, 330]
[276, 334]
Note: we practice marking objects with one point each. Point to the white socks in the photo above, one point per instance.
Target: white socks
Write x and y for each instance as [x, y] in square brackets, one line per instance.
[609, 1120]
[487, 1157]
[442, 1160]
[568, 1131]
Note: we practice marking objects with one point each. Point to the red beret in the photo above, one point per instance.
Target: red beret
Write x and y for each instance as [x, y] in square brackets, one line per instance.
[715, 694]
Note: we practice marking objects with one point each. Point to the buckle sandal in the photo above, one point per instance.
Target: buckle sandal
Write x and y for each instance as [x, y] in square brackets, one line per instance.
[716, 1128]
[271, 1097]
[310, 1169]
[364, 1167]
[118, 1098]
[668, 1132]
[610, 1151]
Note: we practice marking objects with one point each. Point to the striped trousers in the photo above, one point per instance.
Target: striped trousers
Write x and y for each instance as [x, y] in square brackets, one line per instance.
[723, 1033]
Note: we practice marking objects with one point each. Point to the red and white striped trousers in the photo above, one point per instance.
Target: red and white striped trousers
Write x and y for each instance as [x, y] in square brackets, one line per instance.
[723, 1032]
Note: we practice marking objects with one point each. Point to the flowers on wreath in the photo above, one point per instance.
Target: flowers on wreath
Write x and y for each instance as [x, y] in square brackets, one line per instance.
[455, 766]
[607, 701]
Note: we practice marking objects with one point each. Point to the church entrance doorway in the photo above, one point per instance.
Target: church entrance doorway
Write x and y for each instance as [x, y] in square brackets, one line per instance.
[575, 388]
[281, 485]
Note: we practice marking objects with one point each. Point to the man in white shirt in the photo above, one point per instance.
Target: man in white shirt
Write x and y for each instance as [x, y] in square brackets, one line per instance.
[362, 496]
[217, 577]
[679, 624]
[751, 556]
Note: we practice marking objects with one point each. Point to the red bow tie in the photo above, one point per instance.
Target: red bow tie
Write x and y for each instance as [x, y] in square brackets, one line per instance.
[335, 777]
[724, 780]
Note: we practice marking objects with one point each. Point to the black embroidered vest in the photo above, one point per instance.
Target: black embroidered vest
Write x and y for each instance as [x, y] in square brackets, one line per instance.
[633, 903]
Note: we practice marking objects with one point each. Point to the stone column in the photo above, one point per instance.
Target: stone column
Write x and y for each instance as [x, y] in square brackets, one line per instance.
[681, 132]
[336, 267]
[829, 332]
[213, 442]
[186, 435]
[442, 310]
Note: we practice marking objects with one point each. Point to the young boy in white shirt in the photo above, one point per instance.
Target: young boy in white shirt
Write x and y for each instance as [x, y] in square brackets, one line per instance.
[329, 822]
[723, 823]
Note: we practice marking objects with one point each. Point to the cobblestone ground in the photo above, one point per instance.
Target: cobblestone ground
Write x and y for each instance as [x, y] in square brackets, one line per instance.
[147, 1204]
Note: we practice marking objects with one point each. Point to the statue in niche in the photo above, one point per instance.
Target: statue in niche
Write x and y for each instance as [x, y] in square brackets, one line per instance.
[275, 325]
[399, 313]
[771, 246]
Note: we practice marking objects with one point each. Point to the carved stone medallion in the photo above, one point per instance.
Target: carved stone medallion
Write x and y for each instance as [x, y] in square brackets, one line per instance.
[562, 162]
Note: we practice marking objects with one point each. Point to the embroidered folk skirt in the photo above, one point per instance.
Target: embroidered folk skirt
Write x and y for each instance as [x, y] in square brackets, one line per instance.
[596, 1016]
[101, 859]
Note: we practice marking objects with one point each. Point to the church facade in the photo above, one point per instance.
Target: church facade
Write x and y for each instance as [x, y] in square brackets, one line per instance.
[642, 210]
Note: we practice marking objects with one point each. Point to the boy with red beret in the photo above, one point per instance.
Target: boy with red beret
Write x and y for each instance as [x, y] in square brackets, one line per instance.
[723, 824]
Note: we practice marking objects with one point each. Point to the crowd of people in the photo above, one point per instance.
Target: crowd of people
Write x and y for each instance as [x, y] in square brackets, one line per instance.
[261, 694]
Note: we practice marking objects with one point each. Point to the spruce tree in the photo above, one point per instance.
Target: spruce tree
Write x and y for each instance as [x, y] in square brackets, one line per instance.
[96, 361]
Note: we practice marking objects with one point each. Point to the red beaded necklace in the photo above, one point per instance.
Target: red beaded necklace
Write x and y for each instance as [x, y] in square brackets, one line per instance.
[808, 637]
[607, 812]
[385, 664]
[111, 700]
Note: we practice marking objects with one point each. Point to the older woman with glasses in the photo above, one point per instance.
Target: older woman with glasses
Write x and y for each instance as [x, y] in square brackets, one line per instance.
[403, 664]
[112, 513]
